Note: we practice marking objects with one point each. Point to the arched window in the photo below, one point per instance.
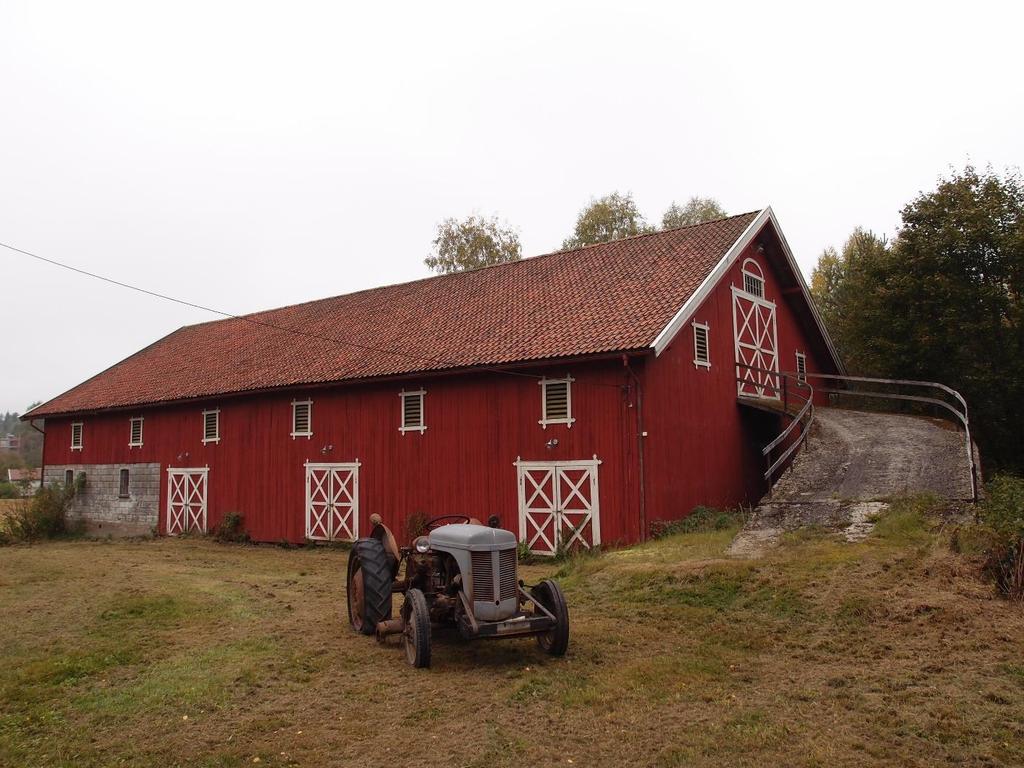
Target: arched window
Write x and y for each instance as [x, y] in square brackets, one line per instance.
[753, 278]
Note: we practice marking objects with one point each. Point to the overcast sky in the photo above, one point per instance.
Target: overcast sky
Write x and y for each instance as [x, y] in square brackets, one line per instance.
[246, 155]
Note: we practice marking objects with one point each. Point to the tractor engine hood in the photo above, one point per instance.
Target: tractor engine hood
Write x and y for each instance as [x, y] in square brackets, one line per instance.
[474, 538]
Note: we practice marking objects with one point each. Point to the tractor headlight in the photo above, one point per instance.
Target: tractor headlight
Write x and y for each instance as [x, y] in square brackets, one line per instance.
[422, 545]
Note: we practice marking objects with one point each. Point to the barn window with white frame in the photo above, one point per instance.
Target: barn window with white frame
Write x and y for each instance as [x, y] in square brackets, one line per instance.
[801, 367]
[701, 350]
[753, 279]
[556, 401]
[211, 426]
[135, 433]
[302, 418]
[412, 412]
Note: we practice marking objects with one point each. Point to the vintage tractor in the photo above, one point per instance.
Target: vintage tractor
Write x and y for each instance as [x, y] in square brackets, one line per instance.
[460, 573]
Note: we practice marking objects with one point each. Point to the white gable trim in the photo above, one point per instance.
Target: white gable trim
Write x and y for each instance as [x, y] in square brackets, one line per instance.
[679, 320]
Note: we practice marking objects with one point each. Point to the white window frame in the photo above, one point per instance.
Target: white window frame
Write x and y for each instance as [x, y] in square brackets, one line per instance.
[309, 433]
[216, 422]
[697, 362]
[801, 367]
[755, 274]
[131, 431]
[80, 428]
[422, 426]
[544, 420]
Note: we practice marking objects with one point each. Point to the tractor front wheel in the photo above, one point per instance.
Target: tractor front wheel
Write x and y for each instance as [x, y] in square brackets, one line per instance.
[416, 636]
[369, 585]
[549, 595]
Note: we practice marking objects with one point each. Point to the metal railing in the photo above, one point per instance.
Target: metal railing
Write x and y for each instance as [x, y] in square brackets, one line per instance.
[958, 408]
[788, 389]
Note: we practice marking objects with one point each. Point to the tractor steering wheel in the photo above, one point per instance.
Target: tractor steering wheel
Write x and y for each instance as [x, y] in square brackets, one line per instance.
[437, 522]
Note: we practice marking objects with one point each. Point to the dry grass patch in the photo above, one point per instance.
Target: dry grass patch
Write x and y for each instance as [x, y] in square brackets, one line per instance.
[885, 652]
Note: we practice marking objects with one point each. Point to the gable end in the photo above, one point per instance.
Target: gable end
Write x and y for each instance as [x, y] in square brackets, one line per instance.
[685, 313]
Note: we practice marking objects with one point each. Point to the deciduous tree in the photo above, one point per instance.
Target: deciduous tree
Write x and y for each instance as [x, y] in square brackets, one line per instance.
[473, 242]
[696, 211]
[607, 218]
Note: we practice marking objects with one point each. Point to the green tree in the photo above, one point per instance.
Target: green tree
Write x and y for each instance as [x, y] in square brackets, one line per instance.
[842, 286]
[826, 282]
[607, 218]
[471, 243]
[944, 302]
[696, 211]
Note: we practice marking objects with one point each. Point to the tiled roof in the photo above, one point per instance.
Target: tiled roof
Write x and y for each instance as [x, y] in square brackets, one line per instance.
[602, 298]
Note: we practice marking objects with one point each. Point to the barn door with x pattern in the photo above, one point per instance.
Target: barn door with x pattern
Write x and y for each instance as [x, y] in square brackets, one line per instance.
[186, 501]
[332, 502]
[753, 320]
[559, 505]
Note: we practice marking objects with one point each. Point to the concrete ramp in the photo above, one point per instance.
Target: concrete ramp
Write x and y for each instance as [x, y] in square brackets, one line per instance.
[852, 462]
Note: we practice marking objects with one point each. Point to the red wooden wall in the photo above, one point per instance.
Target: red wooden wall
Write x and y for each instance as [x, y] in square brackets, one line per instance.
[464, 463]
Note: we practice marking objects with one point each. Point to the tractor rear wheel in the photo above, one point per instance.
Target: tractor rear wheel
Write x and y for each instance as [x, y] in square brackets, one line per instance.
[556, 640]
[416, 636]
[369, 585]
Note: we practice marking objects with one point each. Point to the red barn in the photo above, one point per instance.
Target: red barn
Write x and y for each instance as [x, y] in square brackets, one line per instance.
[580, 396]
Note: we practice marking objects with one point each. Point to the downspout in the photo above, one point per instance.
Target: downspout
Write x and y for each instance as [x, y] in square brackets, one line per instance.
[640, 435]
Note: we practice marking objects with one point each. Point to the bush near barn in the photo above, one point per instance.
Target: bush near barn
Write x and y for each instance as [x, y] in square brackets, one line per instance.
[43, 516]
[1002, 517]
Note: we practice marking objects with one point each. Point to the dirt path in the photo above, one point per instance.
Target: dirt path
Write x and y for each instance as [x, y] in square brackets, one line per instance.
[851, 463]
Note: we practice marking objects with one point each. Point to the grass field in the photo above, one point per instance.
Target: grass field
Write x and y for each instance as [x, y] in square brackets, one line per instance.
[191, 653]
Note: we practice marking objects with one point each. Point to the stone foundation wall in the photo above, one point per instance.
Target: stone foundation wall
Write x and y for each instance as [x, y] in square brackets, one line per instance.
[99, 503]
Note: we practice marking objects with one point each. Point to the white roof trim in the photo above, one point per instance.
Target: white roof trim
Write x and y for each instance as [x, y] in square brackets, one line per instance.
[678, 321]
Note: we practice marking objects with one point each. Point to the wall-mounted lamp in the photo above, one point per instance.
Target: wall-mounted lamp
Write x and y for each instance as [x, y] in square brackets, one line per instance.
[552, 443]
[326, 449]
[182, 456]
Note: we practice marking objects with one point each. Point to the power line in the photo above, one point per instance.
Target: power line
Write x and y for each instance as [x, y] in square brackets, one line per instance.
[265, 324]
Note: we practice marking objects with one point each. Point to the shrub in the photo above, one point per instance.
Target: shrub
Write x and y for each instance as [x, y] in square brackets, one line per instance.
[8, 490]
[232, 528]
[700, 519]
[44, 516]
[1002, 517]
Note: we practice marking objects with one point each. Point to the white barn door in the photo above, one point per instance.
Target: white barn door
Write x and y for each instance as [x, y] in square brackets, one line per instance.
[757, 345]
[332, 502]
[186, 501]
[559, 505]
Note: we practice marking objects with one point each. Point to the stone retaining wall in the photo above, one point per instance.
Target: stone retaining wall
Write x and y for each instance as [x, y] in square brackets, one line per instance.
[99, 503]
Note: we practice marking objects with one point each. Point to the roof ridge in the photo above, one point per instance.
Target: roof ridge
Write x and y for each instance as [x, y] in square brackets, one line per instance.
[457, 275]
